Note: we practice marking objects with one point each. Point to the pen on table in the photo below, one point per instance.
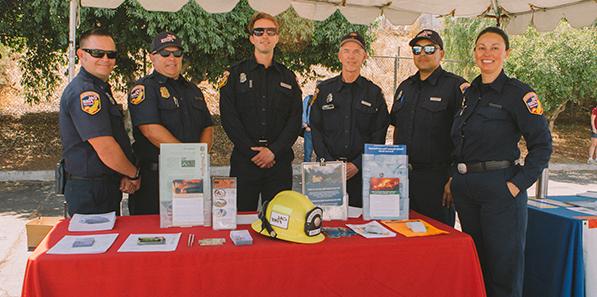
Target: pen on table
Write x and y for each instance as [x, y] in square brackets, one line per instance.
[190, 240]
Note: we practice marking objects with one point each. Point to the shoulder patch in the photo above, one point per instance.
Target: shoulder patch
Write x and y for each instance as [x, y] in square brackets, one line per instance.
[90, 102]
[464, 86]
[533, 104]
[224, 80]
[137, 94]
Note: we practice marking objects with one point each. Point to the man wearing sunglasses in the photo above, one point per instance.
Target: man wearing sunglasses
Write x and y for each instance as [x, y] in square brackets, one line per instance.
[348, 111]
[165, 108]
[260, 104]
[97, 155]
[422, 112]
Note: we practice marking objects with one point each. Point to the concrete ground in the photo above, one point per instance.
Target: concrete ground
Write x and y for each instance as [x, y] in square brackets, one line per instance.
[22, 199]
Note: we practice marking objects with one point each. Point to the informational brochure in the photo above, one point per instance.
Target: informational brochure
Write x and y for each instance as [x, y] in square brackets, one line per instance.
[92, 222]
[185, 190]
[224, 202]
[159, 242]
[539, 204]
[372, 229]
[584, 210]
[83, 244]
[588, 194]
[385, 182]
[591, 204]
[324, 183]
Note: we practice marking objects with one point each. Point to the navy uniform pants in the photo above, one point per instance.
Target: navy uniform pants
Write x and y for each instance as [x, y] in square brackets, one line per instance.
[426, 189]
[252, 180]
[93, 196]
[147, 199]
[498, 223]
[354, 188]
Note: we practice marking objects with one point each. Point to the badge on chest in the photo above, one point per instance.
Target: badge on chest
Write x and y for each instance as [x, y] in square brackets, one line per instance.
[164, 92]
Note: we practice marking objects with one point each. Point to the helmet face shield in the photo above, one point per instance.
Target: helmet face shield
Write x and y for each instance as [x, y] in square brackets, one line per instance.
[313, 221]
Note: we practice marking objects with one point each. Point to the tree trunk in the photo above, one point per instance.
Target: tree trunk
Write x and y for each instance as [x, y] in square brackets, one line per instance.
[552, 118]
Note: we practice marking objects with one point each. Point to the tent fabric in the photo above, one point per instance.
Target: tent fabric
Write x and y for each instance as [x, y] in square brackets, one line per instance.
[543, 14]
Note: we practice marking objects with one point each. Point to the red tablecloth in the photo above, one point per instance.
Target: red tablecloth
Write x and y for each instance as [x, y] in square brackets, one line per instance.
[444, 265]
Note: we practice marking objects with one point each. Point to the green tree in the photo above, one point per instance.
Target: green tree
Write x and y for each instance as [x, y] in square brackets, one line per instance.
[39, 28]
[459, 40]
[560, 66]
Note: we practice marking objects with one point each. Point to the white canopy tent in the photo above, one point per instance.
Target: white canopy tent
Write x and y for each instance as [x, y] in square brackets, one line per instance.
[517, 15]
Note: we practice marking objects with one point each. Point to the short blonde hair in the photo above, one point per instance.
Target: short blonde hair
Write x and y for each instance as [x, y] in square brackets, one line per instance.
[262, 15]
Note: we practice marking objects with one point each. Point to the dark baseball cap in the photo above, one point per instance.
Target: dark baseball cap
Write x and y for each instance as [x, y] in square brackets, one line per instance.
[355, 37]
[429, 35]
[164, 40]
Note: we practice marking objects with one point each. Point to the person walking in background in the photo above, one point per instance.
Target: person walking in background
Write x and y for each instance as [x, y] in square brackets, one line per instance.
[593, 148]
[308, 140]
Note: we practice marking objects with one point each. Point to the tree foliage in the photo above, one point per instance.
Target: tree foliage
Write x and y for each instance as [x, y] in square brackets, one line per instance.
[212, 42]
[560, 65]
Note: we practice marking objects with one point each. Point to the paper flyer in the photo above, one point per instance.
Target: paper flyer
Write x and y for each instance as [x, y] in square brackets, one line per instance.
[324, 183]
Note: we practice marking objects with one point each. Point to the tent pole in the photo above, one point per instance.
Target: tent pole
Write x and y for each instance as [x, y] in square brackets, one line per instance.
[72, 28]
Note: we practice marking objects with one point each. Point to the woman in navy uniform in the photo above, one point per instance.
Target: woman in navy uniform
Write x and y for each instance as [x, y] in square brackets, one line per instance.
[489, 189]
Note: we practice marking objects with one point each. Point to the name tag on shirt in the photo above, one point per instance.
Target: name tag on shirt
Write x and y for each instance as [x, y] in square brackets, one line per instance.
[285, 85]
[365, 103]
[436, 99]
[328, 107]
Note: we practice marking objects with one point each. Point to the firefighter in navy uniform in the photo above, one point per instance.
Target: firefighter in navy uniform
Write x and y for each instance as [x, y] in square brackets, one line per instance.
[489, 188]
[165, 108]
[422, 113]
[261, 108]
[348, 111]
[97, 154]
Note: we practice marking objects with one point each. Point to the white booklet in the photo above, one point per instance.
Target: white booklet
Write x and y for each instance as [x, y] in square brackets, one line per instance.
[92, 222]
[159, 242]
[185, 194]
[83, 244]
[372, 229]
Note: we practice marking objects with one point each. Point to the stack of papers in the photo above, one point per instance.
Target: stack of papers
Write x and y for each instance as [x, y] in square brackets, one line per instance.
[372, 229]
[131, 244]
[92, 222]
[83, 244]
[413, 228]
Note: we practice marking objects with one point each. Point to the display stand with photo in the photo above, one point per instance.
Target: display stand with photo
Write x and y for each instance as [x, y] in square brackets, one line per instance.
[324, 183]
[385, 182]
[185, 195]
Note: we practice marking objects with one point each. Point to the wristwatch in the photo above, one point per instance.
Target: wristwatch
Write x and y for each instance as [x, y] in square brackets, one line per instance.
[136, 177]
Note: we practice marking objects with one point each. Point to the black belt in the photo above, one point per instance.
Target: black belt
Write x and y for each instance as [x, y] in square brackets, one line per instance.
[153, 166]
[97, 178]
[464, 168]
[418, 166]
[262, 142]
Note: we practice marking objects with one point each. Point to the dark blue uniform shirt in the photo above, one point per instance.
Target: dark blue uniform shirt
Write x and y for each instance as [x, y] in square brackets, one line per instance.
[261, 107]
[88, 110]
[176, 104]
[346, 116]
[491, 121]
[422, 114]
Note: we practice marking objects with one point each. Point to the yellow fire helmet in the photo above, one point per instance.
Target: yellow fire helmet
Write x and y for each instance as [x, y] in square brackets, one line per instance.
[290, 216]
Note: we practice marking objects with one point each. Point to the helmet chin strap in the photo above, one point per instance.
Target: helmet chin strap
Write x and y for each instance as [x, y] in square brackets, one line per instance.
[265, 223]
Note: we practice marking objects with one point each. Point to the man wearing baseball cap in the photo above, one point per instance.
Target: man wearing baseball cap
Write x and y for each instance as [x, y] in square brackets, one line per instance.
[165, 108]
[348, 111]
[422, 112]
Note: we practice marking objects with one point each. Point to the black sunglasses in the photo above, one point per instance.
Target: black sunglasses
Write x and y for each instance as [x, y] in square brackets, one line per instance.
[270, 31]
[98, 54]
[428, 49]
[166, 53]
